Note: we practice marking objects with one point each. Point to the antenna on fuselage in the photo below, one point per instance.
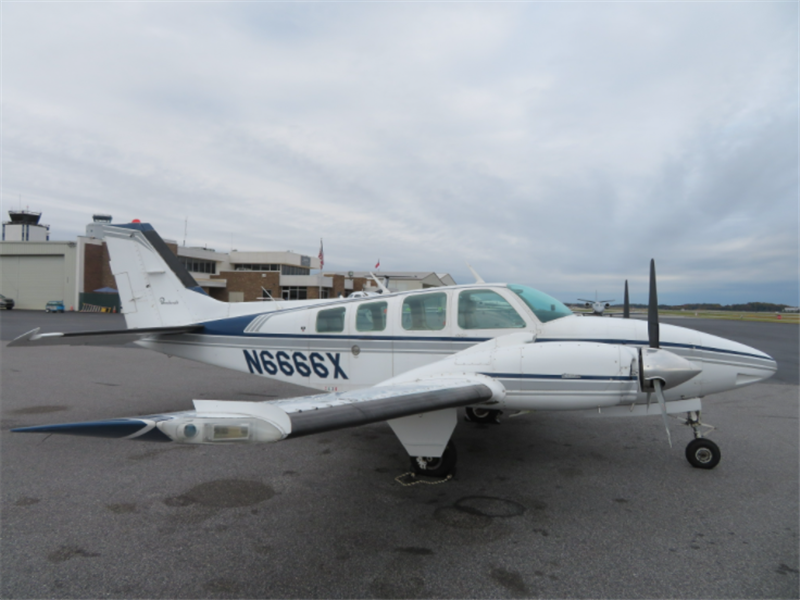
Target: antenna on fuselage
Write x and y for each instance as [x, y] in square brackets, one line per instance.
[478, 278]
[383, 288]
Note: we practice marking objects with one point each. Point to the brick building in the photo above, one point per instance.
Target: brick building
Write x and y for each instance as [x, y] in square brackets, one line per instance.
[34, 272]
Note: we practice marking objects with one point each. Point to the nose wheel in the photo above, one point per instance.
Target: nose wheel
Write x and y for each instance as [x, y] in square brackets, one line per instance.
[701, 452]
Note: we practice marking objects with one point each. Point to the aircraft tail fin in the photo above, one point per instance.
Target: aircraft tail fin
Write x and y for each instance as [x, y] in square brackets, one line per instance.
[155, 290]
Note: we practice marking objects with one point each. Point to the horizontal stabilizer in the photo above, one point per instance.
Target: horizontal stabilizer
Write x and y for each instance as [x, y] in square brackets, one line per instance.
[113, 428]
[97, 338]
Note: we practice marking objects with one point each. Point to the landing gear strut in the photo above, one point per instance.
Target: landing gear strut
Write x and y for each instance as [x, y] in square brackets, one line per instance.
[436, 466]
[483, 415]
[701, 452]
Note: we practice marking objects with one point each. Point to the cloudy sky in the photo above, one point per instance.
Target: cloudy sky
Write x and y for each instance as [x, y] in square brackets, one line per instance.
[559, 145]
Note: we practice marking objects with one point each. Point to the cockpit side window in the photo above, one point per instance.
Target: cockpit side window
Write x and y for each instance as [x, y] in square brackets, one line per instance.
[485, 309]
[371, 317]
[331, 320]
[425, 312]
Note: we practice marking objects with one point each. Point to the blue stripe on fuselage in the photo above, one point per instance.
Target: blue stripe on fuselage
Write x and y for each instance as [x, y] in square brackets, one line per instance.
[235, 326]
[663, 345]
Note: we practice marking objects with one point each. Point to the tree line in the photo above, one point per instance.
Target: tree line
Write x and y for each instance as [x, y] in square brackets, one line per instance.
[746, 307]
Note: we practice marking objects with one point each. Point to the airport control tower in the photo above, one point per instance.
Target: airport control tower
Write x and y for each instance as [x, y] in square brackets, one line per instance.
[24, 227]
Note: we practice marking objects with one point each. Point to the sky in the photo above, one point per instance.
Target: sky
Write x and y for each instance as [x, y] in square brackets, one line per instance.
[554, 144]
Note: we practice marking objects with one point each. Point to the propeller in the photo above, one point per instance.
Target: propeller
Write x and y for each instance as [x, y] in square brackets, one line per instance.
[652, 309]
[626, 305]
[661, 369]
[662, 402]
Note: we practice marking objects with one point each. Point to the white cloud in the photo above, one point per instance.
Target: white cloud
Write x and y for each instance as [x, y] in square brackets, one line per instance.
[559, 145]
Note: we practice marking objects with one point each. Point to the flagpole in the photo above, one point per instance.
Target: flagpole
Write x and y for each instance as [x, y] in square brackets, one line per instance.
[321, 267]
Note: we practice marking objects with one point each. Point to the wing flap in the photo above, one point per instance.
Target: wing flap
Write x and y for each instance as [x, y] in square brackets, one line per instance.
[382, 404]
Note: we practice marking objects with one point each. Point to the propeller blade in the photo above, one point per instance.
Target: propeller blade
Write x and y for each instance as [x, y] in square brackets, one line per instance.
[652, 309]
[662, 402]
[626, 305]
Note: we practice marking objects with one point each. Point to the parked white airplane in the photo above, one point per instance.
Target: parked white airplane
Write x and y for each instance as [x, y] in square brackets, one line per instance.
[409, 358]
[597, 306]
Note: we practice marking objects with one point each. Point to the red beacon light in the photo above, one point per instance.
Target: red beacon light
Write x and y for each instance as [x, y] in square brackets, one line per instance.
[136, 221]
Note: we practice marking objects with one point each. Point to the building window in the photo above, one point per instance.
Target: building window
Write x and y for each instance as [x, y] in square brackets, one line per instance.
[294, 293]
[290, 270]
[256, 267]
[196, 265]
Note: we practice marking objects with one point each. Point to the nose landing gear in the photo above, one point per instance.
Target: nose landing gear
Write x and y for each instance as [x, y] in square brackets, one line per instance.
[701, 452]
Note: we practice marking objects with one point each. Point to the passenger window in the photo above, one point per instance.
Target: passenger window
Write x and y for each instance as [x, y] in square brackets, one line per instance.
[331, 320]
[371, 317]
[425, 312]
[485, 309]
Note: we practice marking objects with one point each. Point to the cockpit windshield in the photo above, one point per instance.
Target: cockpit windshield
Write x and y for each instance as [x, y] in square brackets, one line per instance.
[545, 307]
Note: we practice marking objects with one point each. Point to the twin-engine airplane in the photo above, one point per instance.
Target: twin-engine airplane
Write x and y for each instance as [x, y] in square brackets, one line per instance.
[409, 358]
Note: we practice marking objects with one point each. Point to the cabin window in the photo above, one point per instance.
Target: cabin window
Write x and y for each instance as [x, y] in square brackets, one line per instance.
[485, 309]
[331, 320]
[425, 312]
[371, 317]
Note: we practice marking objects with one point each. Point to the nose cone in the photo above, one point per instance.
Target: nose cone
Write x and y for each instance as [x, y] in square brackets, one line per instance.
[732, 364]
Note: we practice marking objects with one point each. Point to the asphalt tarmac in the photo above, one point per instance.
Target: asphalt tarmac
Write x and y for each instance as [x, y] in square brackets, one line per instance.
[548, 505]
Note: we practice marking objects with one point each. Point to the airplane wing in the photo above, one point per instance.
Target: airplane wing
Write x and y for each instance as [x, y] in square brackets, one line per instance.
[220, 421]
[96, 338]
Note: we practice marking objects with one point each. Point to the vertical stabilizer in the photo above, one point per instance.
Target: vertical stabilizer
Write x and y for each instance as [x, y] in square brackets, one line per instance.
[154, 288]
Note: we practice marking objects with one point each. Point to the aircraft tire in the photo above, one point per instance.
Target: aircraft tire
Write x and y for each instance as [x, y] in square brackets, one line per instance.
[483, 415]
[436, 467]
[703, 453]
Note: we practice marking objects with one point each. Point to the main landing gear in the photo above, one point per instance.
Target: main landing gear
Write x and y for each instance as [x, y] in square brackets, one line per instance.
[483, 415]
[445, 464]
[701, 452]
[436, 466]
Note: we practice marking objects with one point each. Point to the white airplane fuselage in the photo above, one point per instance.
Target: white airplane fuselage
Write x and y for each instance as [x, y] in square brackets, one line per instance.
[565, 363]
[410, 359]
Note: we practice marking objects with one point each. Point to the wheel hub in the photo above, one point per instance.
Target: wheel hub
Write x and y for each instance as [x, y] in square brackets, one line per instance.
[703, 455]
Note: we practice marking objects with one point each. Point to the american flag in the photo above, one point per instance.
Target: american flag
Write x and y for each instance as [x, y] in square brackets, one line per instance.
[321, 255]
[378, 265]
